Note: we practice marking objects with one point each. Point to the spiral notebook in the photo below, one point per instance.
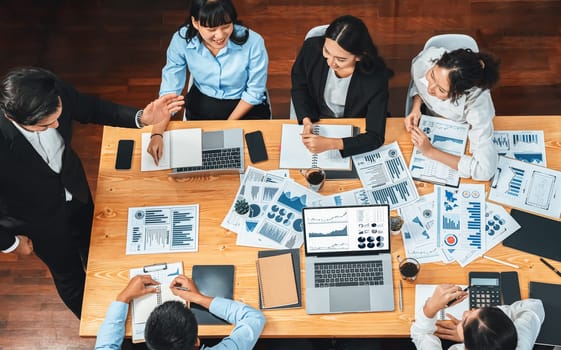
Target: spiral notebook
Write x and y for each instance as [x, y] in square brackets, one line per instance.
[294, 155]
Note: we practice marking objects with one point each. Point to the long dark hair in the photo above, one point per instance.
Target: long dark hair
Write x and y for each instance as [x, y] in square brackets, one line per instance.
[213, 13]
[469, 69]
[352, 35]
[491, 329]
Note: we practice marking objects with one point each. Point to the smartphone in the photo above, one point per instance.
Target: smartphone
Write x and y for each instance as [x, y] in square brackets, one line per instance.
[124, 154]
[510, 287]
[256, 146]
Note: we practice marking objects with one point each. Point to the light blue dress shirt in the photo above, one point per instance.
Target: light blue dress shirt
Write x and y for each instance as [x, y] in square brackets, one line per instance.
[248, 325]
[238, 71]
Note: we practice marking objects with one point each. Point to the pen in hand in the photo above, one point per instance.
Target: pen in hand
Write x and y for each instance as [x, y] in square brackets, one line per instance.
[185, 289]
[454, 300]
[550, 267]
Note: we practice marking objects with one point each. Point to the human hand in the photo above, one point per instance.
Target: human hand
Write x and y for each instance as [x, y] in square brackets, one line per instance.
[156, 147]
[420, 140]
[161, 109]
[448, 329]
[317, 144]
[412, 119]
[25, 246]
[138, 286]
[307, 126]
[442, 295]
[185, 288]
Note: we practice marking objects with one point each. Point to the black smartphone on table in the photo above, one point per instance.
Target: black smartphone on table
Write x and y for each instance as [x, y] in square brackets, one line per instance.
[123, 161]
[256, 146]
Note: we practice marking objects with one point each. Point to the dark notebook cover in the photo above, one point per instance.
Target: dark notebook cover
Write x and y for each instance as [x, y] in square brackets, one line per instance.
[296, 265]
[537, 235]
[550, 295]
[212, 281]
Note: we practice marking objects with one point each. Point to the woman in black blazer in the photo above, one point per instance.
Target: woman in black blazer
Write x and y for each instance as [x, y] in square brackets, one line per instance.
[341, 75]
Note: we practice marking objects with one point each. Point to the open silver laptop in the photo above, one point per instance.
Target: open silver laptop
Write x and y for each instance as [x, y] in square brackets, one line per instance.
[348, 261]
[223, 153]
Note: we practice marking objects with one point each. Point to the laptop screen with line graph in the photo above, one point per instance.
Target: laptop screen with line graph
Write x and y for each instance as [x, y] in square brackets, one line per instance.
[346, 230]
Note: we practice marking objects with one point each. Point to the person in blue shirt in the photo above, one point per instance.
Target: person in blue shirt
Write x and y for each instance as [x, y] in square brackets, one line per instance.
[173, 326]
[227, 63]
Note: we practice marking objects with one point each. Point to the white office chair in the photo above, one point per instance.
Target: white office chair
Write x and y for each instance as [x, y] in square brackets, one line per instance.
[190, 83]
[450, 42]
[312, 33]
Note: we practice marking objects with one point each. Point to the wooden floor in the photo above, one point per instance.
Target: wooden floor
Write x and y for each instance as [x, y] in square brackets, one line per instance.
[116, 49]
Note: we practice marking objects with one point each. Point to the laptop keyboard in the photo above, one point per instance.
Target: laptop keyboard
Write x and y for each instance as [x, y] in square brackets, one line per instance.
[227, 158]
[341, 274]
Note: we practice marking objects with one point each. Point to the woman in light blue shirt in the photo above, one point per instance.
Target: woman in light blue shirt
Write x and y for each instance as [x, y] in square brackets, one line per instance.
[227, 62]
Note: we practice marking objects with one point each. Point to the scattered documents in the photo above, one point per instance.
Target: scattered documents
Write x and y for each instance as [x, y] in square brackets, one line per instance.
[525, 145]
[385, 176]
[446, 135]
[294, 155]
[421, 234]
[181, 148]
[527, 186]
[163, 229]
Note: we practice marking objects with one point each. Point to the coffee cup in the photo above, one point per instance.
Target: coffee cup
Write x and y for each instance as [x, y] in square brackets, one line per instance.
[315, 178]
[409, 268]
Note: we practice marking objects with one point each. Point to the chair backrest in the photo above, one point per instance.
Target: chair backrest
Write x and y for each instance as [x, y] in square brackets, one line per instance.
[316, 31]
[312, 33]
[452, 42]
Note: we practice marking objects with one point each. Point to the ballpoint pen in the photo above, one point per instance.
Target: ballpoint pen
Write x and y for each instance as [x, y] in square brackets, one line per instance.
[400, 296]
[185, 289]
[550, 267]
[454, 300]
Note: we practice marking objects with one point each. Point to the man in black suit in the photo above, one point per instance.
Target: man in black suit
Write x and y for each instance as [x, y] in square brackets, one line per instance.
[45, 202]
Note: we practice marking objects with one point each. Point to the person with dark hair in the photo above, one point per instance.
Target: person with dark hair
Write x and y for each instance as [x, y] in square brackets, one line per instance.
[505, 327]
[455, 85]
[340, 75]
[227, 63]
[172, 325]
[45, 202]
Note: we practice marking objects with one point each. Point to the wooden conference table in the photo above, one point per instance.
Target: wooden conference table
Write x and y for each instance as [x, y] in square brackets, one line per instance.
[117, 190]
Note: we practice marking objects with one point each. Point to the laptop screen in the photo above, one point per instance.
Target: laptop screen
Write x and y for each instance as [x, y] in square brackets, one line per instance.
[346, 229]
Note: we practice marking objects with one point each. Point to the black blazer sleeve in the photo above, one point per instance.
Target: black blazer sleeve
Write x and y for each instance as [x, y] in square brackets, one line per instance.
[367, 97]
[92, 109]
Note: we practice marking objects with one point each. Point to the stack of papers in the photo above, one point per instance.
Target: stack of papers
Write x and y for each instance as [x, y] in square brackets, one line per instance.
[454, 225]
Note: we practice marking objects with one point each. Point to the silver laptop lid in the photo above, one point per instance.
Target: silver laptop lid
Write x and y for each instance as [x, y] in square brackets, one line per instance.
[346, 230]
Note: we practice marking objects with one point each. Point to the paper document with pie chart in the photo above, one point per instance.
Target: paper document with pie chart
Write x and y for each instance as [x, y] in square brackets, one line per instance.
[461, 217]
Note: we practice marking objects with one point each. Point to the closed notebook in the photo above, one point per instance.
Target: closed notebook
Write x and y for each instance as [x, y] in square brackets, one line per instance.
[296, 268]
[277, 284]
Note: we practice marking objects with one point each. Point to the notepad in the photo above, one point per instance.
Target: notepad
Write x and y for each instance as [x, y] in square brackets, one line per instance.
[181, 148]
[294, 155]
[425, 291]
[277, 284]
[142, 307]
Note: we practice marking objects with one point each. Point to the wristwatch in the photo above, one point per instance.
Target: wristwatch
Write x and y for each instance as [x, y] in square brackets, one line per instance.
[138, 119]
